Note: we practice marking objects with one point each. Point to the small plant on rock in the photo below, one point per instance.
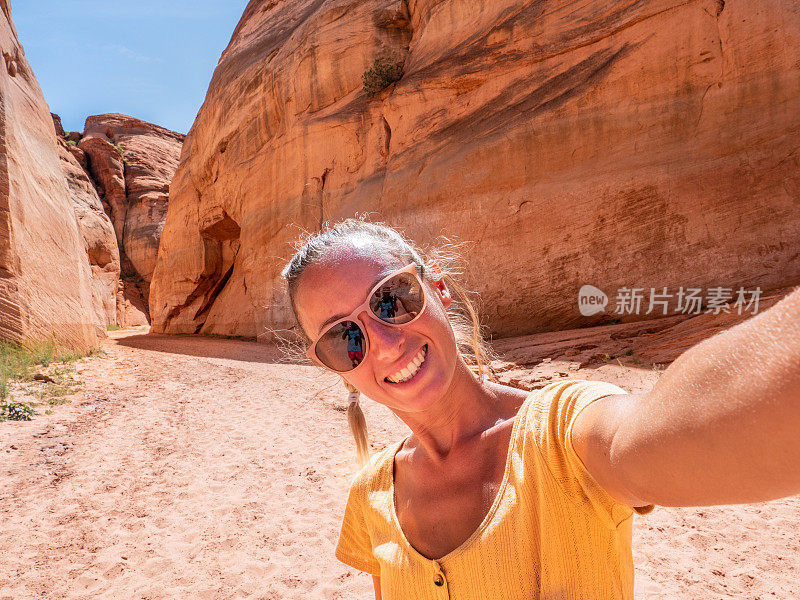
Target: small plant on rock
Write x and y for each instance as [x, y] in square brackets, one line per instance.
[384, 72]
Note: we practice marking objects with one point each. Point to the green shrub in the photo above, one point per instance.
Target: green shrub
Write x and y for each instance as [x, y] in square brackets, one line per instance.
[72, 142]
[383, 73]
[113, 327]
[15, 411]
[119, 150]
[17, 361]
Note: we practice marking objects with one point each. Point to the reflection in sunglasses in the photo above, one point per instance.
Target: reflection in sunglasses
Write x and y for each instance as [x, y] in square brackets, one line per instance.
[355, 343]
[398, 300]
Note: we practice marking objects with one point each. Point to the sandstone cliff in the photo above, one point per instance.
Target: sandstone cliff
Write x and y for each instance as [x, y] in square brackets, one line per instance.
[647, 144]
[132, 163]
[99, 244]
[45, 282]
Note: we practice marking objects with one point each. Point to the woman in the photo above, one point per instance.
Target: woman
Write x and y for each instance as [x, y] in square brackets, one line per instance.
[503, 494]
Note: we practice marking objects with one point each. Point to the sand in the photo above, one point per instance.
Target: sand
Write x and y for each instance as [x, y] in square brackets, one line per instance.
[192, 467]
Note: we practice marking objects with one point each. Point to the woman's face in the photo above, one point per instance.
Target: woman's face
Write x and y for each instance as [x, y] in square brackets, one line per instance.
[341, 282]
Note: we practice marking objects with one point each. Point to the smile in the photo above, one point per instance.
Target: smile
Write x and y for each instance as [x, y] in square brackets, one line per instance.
[410, 369]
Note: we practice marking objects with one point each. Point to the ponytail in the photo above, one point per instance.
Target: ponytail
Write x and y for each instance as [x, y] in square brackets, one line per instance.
[358, 424]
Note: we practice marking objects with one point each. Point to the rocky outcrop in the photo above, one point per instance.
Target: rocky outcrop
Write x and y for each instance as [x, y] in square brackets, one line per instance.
[45, 284]
[132, 163]
[132, 308]
[99, 241]
[532, 361]
[620, 144]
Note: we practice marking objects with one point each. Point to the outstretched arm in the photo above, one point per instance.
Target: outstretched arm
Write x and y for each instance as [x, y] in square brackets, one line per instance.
[721, 426]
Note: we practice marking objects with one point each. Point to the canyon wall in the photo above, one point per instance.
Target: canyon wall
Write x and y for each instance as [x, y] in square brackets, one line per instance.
[45, 279]
[616, 143]
[132, 163]
[99, 244]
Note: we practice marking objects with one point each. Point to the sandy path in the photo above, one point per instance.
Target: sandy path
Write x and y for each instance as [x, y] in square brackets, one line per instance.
[204, 468]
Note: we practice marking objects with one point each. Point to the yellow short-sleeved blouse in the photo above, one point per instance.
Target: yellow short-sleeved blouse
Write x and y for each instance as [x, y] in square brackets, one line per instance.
[551, 533]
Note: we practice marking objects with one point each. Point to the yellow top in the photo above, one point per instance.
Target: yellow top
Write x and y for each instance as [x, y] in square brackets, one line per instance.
[551, 533]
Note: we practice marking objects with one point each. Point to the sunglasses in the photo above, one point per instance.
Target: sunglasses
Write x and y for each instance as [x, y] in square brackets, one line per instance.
[396, 300]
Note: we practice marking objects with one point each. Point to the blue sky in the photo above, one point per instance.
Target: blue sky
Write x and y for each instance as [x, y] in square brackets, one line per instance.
[145, 58]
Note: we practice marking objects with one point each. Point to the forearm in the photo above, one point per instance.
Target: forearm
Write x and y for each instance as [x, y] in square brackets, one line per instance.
[722, 425]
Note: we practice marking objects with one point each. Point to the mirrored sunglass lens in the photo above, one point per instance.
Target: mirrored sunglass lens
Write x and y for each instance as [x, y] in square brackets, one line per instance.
[342, 346]
[398, 300]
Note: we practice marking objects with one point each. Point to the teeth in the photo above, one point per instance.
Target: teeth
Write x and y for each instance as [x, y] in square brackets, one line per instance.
[410, 370]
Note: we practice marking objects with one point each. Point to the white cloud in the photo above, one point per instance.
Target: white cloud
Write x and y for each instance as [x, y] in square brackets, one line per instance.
[125, 51]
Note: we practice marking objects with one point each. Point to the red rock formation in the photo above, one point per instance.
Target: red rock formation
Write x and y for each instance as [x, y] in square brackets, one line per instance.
[133, 162]
[615, 143]
[131, 305]
[100, 244]
[45, 288]
[57, 124]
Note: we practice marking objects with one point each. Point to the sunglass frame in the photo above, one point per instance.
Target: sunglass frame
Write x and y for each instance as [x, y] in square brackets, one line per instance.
[354, 316]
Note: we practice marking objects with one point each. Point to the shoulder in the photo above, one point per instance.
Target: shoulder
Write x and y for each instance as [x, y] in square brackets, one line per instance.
[550, 414]
[557, 404]
[377, 473]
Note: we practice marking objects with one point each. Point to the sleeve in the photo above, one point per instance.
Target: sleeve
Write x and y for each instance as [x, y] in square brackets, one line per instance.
[355, 546]
[554, 410]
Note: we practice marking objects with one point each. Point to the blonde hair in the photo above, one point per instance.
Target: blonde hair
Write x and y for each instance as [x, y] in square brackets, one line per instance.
[462, 313]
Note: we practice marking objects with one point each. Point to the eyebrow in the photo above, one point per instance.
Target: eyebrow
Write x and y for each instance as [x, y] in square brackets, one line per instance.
[335, 318]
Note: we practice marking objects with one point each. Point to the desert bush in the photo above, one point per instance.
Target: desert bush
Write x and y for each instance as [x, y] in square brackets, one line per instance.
[383, 73]
[15, 411]
[17, 361]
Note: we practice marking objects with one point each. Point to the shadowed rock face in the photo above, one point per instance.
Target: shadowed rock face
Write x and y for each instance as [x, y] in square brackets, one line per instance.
[45, 281]
[118, 174]
[647, 144]
[100, 244]
[133, 162]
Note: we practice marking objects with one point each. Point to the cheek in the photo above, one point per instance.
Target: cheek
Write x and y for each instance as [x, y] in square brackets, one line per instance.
[434, 326]
[439, 322]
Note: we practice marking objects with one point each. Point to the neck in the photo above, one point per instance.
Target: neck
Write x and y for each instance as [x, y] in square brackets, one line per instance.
[469, 408]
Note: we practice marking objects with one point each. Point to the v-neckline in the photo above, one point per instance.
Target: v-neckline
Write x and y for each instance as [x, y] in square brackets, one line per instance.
[489, 515]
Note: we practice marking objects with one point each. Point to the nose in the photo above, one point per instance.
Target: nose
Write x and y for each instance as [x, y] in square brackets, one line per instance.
[385, 342]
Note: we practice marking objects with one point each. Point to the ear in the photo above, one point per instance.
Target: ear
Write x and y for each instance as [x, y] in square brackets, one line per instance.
[439, 284]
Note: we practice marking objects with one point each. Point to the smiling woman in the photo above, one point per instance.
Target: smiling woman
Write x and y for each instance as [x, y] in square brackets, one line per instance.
[507, 495]
[148, 59]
